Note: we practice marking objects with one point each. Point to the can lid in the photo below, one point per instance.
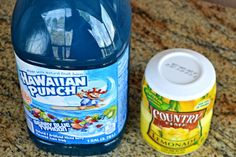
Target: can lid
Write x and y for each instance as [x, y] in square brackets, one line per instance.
[180, 74]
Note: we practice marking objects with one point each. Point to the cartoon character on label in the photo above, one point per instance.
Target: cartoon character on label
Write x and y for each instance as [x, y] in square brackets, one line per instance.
[91, 98]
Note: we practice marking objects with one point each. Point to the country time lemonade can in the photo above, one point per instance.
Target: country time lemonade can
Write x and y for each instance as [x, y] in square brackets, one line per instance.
[178, 94]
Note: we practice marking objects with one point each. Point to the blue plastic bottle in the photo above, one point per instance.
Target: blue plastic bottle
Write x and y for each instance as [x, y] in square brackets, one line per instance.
[72, 62]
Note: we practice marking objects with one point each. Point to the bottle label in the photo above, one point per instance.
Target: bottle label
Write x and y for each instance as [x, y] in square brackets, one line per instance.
[175, 127]
[75, 106]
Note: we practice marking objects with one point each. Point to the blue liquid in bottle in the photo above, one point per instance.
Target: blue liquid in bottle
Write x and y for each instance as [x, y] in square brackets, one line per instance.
[72, 61]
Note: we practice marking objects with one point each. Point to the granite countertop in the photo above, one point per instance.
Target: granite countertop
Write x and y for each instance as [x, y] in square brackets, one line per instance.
[157, 25]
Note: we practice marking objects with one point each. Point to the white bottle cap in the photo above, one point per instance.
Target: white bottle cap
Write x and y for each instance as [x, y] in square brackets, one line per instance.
[180, 74]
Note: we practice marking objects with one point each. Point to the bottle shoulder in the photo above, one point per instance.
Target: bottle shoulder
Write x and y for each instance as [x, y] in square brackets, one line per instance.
[69, 33]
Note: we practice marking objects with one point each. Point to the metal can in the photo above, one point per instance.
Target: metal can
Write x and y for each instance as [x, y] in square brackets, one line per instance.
[178, 95]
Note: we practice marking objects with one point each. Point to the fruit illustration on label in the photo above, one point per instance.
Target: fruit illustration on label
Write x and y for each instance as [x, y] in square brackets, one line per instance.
[110, 112]
[76, 123]
[173, 125]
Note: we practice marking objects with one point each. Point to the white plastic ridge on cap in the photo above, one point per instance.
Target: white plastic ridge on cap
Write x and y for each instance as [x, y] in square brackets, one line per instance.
[180, 74]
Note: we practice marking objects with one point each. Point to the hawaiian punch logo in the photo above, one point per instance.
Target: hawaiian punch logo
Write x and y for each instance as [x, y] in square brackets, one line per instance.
[51, 86]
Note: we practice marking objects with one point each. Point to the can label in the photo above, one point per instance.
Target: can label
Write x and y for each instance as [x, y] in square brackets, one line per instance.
[75, 106]
[175, 127]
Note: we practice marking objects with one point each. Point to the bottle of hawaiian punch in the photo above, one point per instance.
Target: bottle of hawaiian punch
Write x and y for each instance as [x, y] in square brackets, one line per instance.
[72, 60]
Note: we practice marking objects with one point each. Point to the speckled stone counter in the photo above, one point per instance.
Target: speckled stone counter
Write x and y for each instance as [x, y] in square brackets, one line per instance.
[157, 25]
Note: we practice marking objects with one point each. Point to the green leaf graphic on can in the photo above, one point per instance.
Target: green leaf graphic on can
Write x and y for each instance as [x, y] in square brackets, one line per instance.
[152, 98]
[165, 106]
[156, 100]
[174, 105]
